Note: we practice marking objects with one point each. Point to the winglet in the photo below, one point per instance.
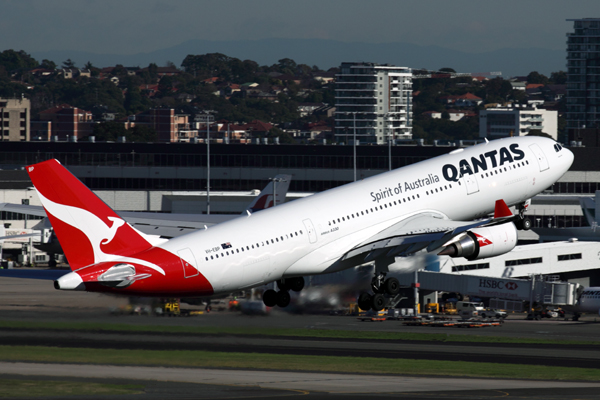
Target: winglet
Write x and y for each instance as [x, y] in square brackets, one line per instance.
[501, 210]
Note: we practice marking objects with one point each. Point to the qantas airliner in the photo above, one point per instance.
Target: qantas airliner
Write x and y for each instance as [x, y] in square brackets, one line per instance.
[430, 205]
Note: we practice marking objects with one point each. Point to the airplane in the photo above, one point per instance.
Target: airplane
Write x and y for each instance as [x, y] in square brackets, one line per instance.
[429, 205]
[588, 302]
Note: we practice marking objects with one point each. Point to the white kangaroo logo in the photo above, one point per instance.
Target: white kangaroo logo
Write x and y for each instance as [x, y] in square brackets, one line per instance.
[96, 230]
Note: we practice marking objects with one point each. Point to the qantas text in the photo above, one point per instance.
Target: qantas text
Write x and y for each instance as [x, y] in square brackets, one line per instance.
[491, 159]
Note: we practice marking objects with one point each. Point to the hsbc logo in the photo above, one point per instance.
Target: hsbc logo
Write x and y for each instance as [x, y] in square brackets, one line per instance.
[494, 284]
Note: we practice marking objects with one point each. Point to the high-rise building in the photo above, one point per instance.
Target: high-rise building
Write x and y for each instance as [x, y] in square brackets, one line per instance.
[14, 120]
[583, 78]
[375, 100]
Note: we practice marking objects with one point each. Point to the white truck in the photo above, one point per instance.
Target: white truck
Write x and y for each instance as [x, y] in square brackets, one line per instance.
[469, 309]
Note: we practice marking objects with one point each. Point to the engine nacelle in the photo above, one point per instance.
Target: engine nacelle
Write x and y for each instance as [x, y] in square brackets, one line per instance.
[483, 242]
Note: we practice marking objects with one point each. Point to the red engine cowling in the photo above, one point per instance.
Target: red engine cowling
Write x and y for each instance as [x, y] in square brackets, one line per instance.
[483, 242]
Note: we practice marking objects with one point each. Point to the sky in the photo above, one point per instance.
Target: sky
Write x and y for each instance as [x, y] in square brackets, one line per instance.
[139, 26]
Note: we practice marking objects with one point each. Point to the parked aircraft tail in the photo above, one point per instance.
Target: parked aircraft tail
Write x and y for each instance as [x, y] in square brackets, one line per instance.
[89, 231]
[266, 199]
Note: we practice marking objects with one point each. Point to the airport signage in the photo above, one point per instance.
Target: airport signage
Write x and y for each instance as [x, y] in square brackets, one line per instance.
[500, 288]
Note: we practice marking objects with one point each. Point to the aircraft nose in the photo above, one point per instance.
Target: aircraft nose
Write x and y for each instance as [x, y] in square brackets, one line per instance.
[568, 157]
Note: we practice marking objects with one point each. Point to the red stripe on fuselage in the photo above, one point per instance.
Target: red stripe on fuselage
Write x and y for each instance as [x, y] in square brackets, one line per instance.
[172, 284]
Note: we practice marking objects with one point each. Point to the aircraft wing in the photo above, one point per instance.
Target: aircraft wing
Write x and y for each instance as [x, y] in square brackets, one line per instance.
[23, 209]
[428, 230]
[171, 225]
[425, 230]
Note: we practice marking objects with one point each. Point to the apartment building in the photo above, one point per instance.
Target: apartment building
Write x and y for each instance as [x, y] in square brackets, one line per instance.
[375, 100]
[64, 122]
[14, 119]
[499, 122]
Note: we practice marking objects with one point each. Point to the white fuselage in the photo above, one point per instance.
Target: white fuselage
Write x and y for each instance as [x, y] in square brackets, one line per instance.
[309, 235]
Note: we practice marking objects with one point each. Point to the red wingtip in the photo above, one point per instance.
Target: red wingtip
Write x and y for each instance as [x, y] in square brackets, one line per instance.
[501, 209]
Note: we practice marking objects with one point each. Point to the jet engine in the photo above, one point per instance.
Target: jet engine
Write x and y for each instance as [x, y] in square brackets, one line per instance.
[482, 242]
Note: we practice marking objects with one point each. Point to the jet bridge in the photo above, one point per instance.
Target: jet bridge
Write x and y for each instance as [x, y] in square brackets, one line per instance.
[536, 289]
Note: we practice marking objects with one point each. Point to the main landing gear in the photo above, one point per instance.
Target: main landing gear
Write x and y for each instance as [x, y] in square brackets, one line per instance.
[282, 297]
[522, 223]
[381, 287]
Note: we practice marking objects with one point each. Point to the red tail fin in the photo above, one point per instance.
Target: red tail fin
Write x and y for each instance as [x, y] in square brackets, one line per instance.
[501, 209]
[88, 230]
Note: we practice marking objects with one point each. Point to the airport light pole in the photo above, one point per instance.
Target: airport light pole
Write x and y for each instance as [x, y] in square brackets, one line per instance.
[354, 135]
[354, 141]
[208, 115]
[389, 129]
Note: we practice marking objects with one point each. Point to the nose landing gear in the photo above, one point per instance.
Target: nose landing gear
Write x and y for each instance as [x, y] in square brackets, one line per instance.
[523, 223]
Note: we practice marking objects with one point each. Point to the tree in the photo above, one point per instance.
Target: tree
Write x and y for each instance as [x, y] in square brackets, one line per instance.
[498, 90]
[536, 77]
[447, 70]
[558, 78]
[108, 131]
[69, 63]
[142, 133]
[47, 64]
[16, 61]
[134, 102]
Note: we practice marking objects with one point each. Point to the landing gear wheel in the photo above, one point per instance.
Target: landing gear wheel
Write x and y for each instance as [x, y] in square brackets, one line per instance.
[270, 298]
[283, 284]
[295, 284]
[283, 298]
[364, 301]
[392, 286]
[378, 302]
[526, 224]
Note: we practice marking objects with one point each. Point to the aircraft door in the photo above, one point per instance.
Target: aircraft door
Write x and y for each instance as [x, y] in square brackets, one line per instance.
[310, 229]
[188, 262]
[471, 184]
[540, 156]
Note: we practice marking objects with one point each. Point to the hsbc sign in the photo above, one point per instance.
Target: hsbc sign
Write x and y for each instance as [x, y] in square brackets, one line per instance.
[495, 284]
[501, 288]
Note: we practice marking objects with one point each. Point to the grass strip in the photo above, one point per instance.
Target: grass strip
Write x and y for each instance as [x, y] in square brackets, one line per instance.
[268, 331]
[359, 365]
[15, 388]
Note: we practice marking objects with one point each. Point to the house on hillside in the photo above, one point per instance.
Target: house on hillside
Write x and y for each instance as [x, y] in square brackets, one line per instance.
[465, 100]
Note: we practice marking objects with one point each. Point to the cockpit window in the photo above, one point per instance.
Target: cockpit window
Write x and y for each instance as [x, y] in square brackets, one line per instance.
[557, 147]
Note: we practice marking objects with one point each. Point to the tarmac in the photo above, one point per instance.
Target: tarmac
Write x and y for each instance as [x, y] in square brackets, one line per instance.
[37, 300]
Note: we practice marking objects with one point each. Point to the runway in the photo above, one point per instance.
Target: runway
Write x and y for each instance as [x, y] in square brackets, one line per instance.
[274, 384]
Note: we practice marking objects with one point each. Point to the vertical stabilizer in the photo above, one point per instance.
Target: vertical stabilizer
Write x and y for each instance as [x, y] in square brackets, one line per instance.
[88, 230]
[266, 197]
